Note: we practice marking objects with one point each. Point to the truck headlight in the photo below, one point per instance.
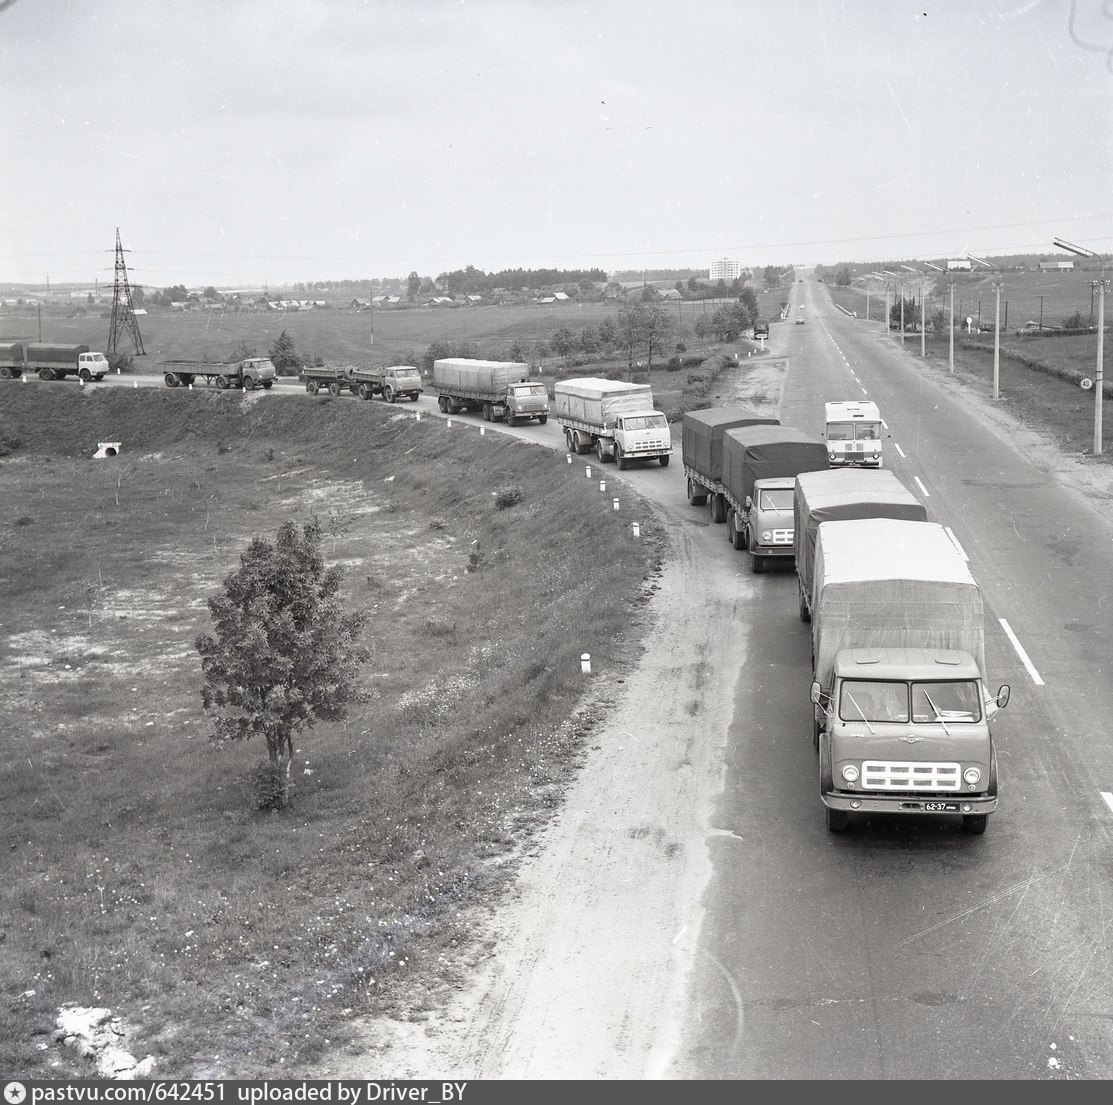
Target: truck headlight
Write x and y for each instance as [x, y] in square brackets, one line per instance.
[766, 535]
[876, 456]
[850, 773]
[972, 775]
[831, 455]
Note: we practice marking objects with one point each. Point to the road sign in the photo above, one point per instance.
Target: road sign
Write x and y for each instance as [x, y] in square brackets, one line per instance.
[1086, 383]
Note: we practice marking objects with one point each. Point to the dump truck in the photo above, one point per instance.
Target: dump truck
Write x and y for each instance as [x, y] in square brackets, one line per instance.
[760, 466]
[702, 450]
[249, 373]
[392, 383]
[502, 390]
[901, 711]
[616, 419]
[853, 432]
[842, 494]
[51, 361]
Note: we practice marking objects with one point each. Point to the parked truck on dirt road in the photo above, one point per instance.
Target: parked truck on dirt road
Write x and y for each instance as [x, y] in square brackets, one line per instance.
[500, 389]
[51, 361]
[392, 383]
[901, 721]
[702, 449]
[760, 466]
[248, 374]
[838, 495]
[616, 419]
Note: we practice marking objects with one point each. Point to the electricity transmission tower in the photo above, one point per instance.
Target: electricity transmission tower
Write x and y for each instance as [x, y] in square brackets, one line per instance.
[123, 314]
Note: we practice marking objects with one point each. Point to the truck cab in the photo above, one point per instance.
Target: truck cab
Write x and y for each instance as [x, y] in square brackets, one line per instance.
[642, 435]
[527, 399]
[257, 371]
[767, 527]
[853, 435]
[400, 380]
[906, 730]
[92, 366]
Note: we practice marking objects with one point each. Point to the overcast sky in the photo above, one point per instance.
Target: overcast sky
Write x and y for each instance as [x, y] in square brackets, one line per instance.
[234, 141]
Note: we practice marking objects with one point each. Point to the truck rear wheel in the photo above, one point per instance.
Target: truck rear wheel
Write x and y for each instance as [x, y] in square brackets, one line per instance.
[718, 505]
[222, 383]
[46, 374]
[696, 496]
[334, 388]
[975, 822]
[365, 391]
[486, 412]
[442, 404]
[5, 372]
[312, 386]
[805, 613]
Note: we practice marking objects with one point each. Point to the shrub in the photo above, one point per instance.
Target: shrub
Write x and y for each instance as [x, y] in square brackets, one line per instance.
[120, 362]
[24, 520]
[673, 365]
[506, 497]
[8, 445]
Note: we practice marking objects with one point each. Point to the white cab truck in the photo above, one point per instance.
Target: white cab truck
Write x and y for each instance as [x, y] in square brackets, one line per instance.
[901, 710]
[853, 434]
[760, 466]
[616, 419]
[702, 449]
[839, 495]
[51, 361]
[500, 389]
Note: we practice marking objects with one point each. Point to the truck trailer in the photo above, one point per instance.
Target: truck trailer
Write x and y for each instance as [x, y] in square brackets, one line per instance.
[760, 466]
[702, 449]
[901, 711]
[616, 419]
[248, 374]
[392, 383]
[838, 495]
[500, 389]
[51, 361]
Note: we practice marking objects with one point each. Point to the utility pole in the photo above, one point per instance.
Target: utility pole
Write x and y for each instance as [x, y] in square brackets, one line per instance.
[951, 287]
[1041, 313]
[1099, 371]
[998, 284]
[123, 314]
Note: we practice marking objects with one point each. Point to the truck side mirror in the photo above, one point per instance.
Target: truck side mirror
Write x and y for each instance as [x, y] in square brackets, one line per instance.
[1002, 696]
[749, 503]
[817, 694]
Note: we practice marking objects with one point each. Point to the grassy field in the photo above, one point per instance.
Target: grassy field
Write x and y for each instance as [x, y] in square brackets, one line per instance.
[340, 336]
[139, 874]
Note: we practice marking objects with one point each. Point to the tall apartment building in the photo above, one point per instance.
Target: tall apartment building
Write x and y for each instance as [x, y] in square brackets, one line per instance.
[725, 269]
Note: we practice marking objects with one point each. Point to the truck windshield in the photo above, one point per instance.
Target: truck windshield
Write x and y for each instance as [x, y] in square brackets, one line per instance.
[840, 431]
[529, 389]
[779, 499]
[946, 702]
[853, 431]
[867, 431]
[645, 422]
[863, 700]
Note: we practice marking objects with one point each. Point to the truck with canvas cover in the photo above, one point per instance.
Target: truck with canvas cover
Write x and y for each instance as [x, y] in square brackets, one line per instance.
[500, 389]
[702, 450]
[51, 361]
[391, 383]
[760, 466]
[838, 495]
[901, 711]
[249, 373]
[853, 433]
[616, 419]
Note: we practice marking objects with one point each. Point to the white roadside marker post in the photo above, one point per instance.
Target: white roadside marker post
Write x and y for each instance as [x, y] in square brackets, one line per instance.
[585, 663]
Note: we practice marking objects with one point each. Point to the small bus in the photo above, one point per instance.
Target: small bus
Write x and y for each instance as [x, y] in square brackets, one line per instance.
[853, 435]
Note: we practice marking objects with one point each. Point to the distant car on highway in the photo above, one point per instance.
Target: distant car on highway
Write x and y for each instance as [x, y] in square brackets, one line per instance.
[799, 320]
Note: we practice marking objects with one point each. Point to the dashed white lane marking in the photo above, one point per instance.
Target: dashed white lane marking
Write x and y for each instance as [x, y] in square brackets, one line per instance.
[954, 541]
[884, 424]
[1108, 798]
[899, 450]
[1021, 653]
[920, 485]
[864, 392]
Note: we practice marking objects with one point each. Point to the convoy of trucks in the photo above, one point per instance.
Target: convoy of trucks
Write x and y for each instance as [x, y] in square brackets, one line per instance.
[853, 434]
[51, 361]
[392, 383]
[901, 722]
[616, 419]
[249, 373]
[702, 451]
[500, 389]
[839, 495]
[760, 465]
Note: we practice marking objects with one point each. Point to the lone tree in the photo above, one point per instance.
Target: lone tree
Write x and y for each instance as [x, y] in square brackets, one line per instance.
[284, 654]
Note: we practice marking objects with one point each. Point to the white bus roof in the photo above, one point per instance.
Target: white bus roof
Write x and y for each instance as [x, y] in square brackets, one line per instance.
[845, 412]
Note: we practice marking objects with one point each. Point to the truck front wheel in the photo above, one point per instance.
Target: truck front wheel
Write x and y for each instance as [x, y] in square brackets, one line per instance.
[837, 820]
[664, 460]
[600, 452]
[542, 419]
[623, 463]
[757, 563]
[85, 375]
[249, 383]
[388, 394]
[171, 380]
[805, 613]
[975, 822]
[268, 384]
[733, 536]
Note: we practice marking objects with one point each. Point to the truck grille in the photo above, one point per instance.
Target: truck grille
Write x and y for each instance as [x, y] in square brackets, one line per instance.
[894, 775]
[782, 537]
